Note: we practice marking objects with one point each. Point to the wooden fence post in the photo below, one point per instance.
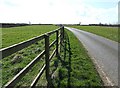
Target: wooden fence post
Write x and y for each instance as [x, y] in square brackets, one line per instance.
[47, 60]
[63, 32]
[57, 33]
[61, 37]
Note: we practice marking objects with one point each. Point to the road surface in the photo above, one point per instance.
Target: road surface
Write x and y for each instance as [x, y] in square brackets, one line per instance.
[104, 53]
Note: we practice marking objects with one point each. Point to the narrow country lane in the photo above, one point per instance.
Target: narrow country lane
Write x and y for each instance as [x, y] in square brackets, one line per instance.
[104, 53]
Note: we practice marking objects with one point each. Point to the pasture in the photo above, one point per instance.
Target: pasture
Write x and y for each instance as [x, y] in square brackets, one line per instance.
[15, 35]
[107, 32]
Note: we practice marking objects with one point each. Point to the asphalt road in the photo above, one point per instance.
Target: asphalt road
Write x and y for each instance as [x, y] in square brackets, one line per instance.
[104, 52]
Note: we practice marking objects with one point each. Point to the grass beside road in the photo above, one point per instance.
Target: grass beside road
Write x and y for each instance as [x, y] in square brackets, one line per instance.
[75, 66]
[107, 32]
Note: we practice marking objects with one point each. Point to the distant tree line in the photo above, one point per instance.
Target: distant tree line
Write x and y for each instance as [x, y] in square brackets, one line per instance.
[100, 24]
[7, 25]
[41, 24]
[109, 25]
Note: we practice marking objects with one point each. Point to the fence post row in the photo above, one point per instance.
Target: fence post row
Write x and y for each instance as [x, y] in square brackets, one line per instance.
[48, 77]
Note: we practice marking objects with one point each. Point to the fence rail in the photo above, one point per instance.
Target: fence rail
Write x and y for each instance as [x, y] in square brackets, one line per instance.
[17, 47]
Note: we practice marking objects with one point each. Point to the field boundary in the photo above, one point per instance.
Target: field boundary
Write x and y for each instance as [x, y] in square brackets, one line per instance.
[17, 47]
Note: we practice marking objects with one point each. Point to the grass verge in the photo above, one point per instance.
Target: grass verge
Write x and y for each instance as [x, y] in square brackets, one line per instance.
[75, 68]
[107, 32]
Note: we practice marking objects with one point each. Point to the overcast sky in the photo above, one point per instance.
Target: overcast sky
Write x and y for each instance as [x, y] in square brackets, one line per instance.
[59, 11]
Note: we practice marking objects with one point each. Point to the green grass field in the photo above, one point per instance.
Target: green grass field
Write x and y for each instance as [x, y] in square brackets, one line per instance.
[15, 35]
[74, 68]
[108, 32]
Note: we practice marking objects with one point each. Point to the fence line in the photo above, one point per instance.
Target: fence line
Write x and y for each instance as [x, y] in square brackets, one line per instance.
[17, 47]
